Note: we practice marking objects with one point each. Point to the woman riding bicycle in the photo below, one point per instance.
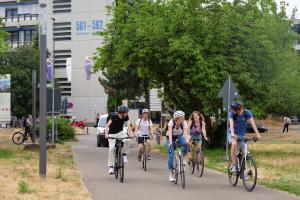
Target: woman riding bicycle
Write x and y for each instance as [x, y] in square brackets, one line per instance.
[178, 130]
[197, 129]
[143, 131]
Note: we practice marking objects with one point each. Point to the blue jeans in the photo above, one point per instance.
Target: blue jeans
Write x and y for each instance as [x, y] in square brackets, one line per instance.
[185, 149]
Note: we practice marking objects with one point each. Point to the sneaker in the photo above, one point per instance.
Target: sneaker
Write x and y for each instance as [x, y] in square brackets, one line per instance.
[111, 171]
[171, 178]
[125, 159]
[149, 158]
[233, 168]
[139, 157]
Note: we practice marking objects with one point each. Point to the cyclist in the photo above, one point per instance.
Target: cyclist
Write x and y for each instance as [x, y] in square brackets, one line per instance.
[27, 124]
[114, 128]
[197, 129]
[178, 130]
[237, 122]
[144, 129]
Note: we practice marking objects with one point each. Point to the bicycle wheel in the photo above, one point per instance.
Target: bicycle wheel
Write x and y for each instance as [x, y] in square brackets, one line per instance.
[144, 158]
[116, 168]
[176, 168]
[233, 176]
[191, 162]
[182, 174]
[18, 138]
[121, 166]
[249, 174]
[201, 163]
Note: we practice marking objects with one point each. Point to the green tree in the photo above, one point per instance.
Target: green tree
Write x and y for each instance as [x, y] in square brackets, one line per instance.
[189, 48]
[19, 63]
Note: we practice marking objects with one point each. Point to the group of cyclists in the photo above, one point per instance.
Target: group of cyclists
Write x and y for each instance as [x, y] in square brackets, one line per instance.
[178, 130]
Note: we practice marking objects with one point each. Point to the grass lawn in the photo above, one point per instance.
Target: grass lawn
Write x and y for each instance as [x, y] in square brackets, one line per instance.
[19, 173]
[278, 164]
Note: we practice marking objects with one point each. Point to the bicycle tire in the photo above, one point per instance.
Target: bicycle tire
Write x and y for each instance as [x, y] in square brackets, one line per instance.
[145, 158]
[116, 168]
[233, 176]
[18, 138]
[201, 163]
[250, 174]
[121, 167]
[182, 174]
[176, 170]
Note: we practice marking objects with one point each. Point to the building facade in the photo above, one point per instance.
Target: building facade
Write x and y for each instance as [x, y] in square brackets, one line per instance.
[72, 27]
[296, 28]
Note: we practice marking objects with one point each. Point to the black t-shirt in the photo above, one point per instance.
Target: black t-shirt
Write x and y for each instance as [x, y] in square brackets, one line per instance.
[117, 124]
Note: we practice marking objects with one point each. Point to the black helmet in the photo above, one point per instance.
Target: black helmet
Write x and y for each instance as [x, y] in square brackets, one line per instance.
[122, 109]
[236, 105]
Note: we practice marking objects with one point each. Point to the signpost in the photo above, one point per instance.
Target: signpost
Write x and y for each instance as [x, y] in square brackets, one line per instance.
[228, 93]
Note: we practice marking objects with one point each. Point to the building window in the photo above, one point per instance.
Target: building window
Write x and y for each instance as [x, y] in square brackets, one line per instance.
[28, 35]
[14, 36]
[11, 12]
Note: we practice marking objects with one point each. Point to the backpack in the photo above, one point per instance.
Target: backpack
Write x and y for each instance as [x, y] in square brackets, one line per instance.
[174, 124]
[24, 122]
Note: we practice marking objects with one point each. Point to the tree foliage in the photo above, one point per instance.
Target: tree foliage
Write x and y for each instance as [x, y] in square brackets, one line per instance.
[189, 48]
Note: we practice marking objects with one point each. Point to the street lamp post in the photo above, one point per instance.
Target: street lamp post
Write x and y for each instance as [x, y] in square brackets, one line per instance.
[43, 88]
[53, 80]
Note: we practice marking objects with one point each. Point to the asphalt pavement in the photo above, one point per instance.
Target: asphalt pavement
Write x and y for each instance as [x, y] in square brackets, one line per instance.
[154, 184]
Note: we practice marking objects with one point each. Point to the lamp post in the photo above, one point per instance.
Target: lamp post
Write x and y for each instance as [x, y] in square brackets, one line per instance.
[53, 80]
[43, 88]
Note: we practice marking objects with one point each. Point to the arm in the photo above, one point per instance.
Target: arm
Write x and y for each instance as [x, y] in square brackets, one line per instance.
[232, 129]
[130, 133]
[255, 128]
[106, 128]
[170, 135]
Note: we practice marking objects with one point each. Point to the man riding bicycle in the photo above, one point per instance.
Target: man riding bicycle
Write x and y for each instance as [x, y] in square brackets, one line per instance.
[114, 128]
[144, 130]
[237, 133]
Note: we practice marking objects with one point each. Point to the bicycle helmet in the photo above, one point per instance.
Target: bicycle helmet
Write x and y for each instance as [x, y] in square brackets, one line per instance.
[122, 109]
[145, 111]
[178, 114]
[236, 105]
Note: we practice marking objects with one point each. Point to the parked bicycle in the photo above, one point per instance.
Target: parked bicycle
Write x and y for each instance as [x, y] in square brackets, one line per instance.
[119, 162]
[179, 167]
[196, 161]
[245, 168]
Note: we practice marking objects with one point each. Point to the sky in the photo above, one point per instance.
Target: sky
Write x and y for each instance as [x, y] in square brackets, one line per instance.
[292, 4]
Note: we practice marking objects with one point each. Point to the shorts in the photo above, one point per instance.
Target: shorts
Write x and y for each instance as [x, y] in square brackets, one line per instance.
[241, 143]
[142, 139]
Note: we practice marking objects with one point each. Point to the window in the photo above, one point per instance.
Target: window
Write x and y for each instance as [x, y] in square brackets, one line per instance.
[11, 12]
[28, 36]
[14, 36]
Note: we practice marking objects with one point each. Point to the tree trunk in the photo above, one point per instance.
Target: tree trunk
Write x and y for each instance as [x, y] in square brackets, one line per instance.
[146, 91]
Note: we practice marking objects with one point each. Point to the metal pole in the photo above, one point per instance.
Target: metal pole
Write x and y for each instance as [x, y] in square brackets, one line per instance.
[43, 89]
[228, 108]
[53, 84]
[33, 105]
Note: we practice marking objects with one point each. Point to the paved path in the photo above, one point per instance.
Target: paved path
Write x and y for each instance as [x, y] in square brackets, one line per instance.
[153, 184]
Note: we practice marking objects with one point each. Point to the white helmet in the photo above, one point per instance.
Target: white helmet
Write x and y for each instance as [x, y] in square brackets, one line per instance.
[178, 114]
[145, 111]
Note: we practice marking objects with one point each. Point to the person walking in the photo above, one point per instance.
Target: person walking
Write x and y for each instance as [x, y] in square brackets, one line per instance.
[286, 122]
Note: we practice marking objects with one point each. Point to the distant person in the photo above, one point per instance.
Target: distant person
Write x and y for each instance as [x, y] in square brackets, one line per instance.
[286, 122]
[27, 124]
[97, 119]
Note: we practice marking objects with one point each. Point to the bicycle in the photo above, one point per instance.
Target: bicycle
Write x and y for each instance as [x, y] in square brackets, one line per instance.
[246, 168]
[197, 159]
[19, 137]
[119, 162]
[179, 168]
[144, 152]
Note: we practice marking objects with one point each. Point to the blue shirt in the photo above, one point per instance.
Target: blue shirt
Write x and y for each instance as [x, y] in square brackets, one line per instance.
[240, 122]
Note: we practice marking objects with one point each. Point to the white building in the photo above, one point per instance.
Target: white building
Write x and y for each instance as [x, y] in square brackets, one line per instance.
[75, 36]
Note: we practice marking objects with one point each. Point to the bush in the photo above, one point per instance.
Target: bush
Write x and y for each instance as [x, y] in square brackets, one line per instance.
[65, 130]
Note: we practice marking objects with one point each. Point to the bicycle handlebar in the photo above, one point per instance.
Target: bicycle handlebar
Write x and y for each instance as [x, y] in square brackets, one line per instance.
[254, 139]
[124, 138]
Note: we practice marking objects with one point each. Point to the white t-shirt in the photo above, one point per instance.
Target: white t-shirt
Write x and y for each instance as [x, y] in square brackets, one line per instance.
[143, 126]
[177, 131]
